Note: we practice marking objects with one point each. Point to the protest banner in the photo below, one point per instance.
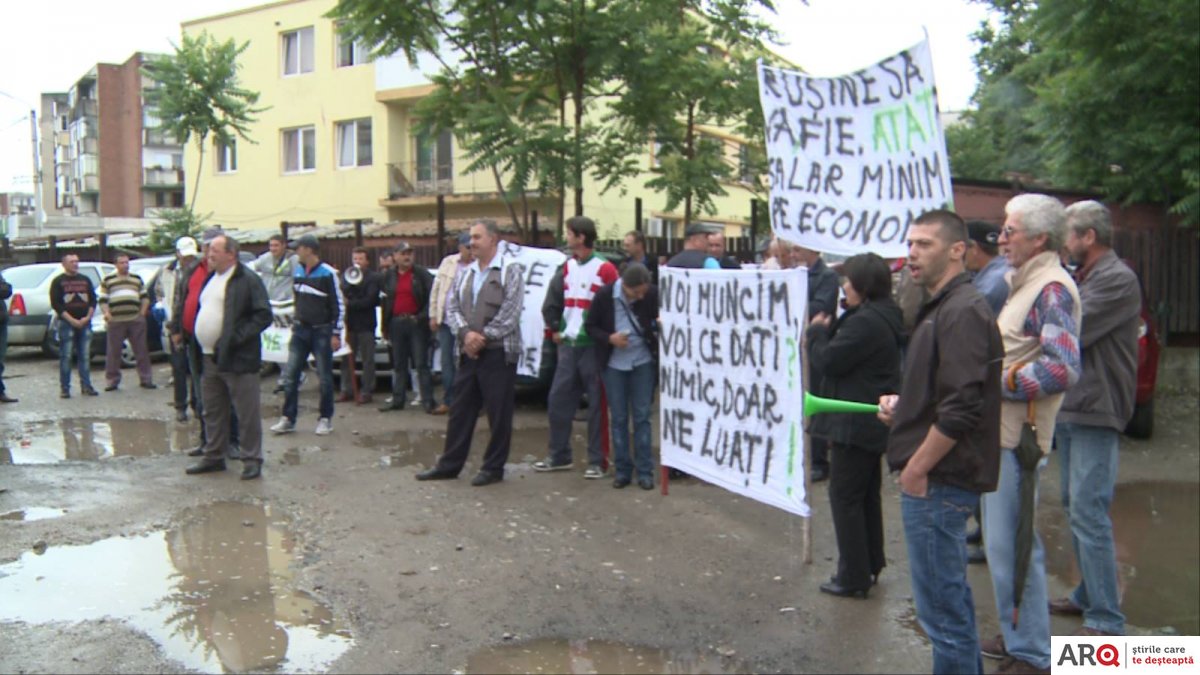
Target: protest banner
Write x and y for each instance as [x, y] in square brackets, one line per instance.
[853, 160]
[730, 382]
[540, 265]
[277, 336]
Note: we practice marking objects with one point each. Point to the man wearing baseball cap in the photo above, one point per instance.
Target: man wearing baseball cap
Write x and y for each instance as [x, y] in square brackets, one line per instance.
[165, 287]
[316, 329]
[449, 273]
[987, 267]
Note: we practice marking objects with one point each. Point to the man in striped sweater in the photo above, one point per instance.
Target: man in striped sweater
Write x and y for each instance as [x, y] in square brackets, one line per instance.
[566, 306]
[125, 302]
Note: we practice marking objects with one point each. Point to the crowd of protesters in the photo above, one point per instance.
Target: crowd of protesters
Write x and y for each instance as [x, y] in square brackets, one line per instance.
[985, 341]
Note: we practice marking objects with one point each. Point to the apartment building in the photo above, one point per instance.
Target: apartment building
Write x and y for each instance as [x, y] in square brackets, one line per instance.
[338, 141]
[103, 148]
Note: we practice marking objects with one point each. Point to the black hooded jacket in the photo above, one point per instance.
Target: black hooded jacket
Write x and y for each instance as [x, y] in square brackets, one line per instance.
[857, 358]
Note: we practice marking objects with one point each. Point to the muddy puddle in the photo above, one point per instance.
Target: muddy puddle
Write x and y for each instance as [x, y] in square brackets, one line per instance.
[215, 592]
[86, 439]
[33, 513]
[595, 656]
[1155, 527]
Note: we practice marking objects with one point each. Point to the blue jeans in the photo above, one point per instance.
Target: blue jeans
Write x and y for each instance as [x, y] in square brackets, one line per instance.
[315, 340]
[1030, 642]
[1089, 475]
[630, 392]
[78, 341]
[448, 347]
[935, 527]
[3, 352]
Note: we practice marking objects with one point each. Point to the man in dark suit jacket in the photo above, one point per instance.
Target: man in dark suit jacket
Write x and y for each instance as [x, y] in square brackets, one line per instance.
[623, 323]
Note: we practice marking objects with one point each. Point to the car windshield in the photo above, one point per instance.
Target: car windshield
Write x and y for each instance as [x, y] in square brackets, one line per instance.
[27, 277]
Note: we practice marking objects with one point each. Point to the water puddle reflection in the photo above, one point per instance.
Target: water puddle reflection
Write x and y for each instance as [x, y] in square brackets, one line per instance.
[595, 656]
[215, 592]
[1155, 527]
[33, 513]
[86, 439]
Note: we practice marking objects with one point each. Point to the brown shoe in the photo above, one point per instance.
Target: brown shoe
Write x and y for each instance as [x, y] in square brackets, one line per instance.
[364, 399]
[1064, 607]
[345, 397]
[440, 410]
[1014, 666]
[993, 648]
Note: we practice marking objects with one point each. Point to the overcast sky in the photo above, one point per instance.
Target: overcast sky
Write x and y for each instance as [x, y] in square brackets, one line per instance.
[47, 46]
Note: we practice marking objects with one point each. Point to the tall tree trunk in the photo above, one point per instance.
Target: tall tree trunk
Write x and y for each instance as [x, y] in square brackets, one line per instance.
[199, 172]
[562, 187]
[512, 213]
[689, 151]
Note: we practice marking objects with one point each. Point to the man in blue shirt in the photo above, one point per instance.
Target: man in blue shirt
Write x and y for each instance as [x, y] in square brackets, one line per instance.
[987, 267]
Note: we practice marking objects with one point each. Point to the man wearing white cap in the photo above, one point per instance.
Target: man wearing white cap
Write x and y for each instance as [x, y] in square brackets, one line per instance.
[165, 287]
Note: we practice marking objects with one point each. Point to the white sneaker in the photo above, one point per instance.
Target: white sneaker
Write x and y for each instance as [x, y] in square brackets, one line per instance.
[284, 426]
[416, 400]
[324, 427]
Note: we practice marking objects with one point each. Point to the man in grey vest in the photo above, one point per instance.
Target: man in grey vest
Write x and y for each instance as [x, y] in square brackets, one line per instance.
[484, 312]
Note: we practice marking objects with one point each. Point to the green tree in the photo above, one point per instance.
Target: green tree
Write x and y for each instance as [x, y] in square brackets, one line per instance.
[692, 65]
[198, 95]
[524, 74]
[1095, 95]
[175, 223]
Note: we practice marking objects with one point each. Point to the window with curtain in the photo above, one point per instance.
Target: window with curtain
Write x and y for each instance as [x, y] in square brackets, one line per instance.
[297, 51]
[354, 143]
[299, 150]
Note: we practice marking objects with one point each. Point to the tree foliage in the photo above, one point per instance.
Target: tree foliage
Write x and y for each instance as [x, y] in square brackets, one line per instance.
[198, 95]
[175, 223]
[1091, 95]
[546, 92]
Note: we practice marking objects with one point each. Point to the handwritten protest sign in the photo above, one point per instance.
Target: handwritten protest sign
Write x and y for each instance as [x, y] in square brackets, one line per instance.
[540, 265]
[277, 336]
[730, 380]
[854, 159]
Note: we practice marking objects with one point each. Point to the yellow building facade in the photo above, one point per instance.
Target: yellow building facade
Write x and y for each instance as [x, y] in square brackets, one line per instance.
[337, 143]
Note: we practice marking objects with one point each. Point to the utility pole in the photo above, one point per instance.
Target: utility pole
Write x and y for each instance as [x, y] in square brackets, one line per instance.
[39, 211]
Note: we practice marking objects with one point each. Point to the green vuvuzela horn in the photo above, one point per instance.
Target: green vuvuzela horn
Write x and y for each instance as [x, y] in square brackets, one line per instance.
[815, 405]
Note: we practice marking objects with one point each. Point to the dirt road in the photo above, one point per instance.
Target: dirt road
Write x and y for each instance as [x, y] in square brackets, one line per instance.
[112, 560]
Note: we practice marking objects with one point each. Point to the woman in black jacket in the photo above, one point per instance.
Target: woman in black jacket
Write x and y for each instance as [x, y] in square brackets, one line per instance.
[857, 358]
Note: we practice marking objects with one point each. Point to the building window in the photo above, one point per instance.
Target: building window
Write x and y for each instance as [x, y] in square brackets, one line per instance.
[177, 200]
[349, 52]
[298, 51]
[354, 143]
[745, 170]
[226, 156]
[434, 157]
[299, 150]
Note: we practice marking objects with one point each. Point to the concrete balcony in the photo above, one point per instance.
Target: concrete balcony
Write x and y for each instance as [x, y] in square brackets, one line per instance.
[158, 137]
[159, 178]
[412, 179]
[90, 183]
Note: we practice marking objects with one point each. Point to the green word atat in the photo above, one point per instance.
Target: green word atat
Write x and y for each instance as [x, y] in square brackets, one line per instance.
[896, 126]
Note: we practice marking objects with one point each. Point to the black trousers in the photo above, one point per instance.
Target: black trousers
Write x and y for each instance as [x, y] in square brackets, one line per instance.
[489, 383]
[854, 482]
[410, 344]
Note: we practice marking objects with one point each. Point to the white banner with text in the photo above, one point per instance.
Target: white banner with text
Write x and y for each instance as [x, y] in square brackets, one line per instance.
[854, 159]
[730, 380]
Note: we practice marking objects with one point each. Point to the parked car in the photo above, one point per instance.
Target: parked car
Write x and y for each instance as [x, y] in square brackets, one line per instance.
[1141, 425]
